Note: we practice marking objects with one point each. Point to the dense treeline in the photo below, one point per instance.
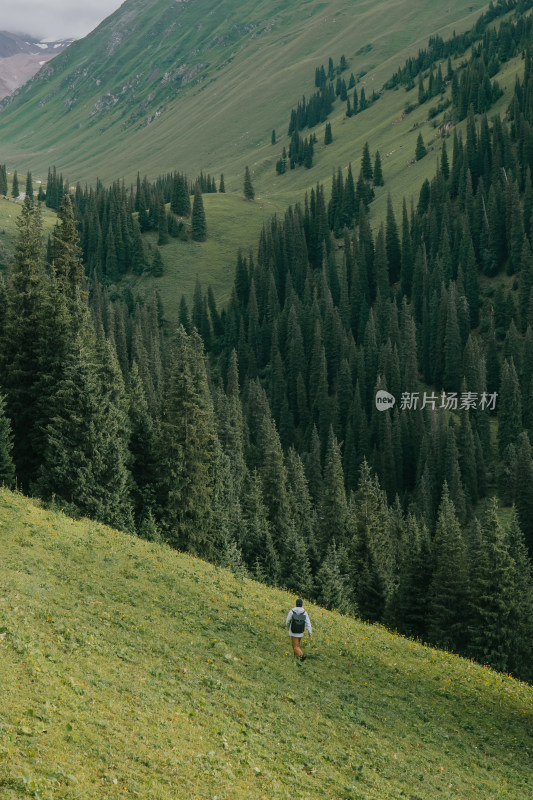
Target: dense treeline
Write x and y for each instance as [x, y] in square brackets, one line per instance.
[318, 107]
[111, 220]
[321, 341]
[111, 424]
[310, 112]
[439, 50]
[276, 459]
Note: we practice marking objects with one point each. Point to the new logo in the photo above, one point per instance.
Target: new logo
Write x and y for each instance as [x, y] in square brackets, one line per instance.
[384, 400]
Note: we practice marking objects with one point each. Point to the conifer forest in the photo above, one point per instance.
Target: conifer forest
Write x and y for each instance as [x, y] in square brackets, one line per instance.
[251, 433]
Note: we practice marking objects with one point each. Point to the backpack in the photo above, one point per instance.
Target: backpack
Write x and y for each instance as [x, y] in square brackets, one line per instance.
[298, 621]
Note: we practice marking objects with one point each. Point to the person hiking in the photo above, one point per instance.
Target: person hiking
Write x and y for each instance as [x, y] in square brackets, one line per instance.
[297, 621]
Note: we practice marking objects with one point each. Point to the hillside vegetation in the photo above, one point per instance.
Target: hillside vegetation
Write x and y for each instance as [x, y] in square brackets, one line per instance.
[130, 669]
[191, 105]
[165, 85]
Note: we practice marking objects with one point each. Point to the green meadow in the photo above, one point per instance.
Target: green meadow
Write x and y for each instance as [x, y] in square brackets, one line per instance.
[129, 669]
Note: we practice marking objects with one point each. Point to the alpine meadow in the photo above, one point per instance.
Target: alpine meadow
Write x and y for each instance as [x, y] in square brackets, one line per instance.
[266, 333]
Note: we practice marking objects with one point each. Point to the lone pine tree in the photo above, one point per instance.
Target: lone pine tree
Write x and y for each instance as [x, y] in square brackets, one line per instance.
[15, 190]
[248, 188]
[198, 223]
[420, 151]
[157, 264]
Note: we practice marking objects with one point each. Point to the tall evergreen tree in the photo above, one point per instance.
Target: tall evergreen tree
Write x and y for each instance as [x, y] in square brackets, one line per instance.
[448, 591]
[198, 221]
[378, 170]
[19, 353]
[509, 408]
[420, 150]
[85, 457]
[7, 467]
[15, 189]
[188, 450]
[333, 506]
[29, 186]
[366, 164]
[493, 604]
[249, 192]
[66, 251]
[158, 267]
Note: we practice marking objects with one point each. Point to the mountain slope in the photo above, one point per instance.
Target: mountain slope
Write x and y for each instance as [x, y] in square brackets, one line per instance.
[198, 84]
[129, 668]
[22, 56]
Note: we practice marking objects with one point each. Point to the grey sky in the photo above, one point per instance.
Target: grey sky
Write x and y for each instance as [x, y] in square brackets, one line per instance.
[54, 19]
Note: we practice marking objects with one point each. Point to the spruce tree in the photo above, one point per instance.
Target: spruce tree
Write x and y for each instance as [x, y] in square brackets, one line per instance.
[249, 193]
[524, 489]
[452, 346]
[493, 603]
[448, 591]
[162, 227]
[222, 185]
[407, 607]
[378, 171]
[85, 455]
[371, 553]
[66, 251]
[181, 201]
[295, 570]
[157, 264]
[420, 150]
[143, 451]
[22, 331]
[7, 467]
[15, 190]
[394, 251]
[521, 658]
[328, 136]
[29, 186]
[188, 451]
[333, 506]
[256, 538]
[366, 164]
[509, 408]
[198, 222]
[333, 585]
[3, 180]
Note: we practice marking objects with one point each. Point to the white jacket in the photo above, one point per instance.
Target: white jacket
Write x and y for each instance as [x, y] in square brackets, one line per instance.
[307, 622]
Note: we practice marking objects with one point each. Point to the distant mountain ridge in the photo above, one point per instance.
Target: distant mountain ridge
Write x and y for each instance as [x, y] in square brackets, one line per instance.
[21, 57]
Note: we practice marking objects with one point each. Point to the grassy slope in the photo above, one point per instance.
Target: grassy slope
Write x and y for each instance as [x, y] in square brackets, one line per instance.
[253, 79]
[233, 223]
[220, 125]
[224, 130]
[130, 669]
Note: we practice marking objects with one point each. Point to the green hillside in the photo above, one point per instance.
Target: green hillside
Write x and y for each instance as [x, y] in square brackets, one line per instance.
[197, 85]
[217, 83]
[129, 669]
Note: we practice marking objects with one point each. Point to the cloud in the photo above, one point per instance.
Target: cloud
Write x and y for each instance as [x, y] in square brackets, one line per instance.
[54, 19]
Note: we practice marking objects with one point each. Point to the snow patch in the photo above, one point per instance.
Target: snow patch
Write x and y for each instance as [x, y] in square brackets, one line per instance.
[42, 46]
